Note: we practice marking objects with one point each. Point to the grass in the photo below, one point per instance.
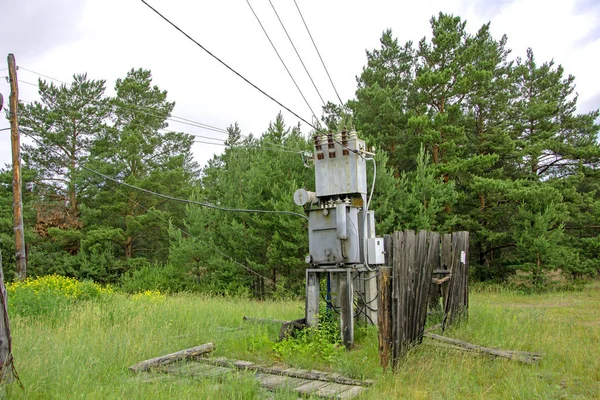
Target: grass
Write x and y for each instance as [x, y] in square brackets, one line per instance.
[83, 350]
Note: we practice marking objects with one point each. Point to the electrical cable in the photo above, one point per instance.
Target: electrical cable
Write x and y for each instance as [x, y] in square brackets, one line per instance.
[298, 54]
[216, 249]
[281, 59]
[321, 58]
[164, 196]
[227, 66]
[172, 118]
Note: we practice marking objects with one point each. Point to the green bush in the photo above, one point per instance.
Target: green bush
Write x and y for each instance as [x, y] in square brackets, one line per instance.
[163, 278]
[51, 293]
[320, 344]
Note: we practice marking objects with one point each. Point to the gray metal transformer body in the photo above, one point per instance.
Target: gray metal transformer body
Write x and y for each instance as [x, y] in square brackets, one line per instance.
[336, 227]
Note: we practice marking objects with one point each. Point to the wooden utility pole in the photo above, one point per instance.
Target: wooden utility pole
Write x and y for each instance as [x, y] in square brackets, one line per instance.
[20, 257]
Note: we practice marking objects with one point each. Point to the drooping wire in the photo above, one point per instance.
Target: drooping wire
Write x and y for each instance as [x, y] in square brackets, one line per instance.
[227, 66]
[216, 249]
[172, 118]
[321, 58]
[281, 59]
[177, 199]
[298, 54]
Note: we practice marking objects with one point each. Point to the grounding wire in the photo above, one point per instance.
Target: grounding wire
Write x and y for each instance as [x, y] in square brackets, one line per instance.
[281, 59]
[321, 58]
[227, 66]
[298, 54]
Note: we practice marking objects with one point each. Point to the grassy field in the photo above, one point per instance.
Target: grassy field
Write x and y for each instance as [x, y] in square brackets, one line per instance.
[83, 351]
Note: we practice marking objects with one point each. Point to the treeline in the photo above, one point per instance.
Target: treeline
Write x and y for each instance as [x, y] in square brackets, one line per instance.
[467, 138]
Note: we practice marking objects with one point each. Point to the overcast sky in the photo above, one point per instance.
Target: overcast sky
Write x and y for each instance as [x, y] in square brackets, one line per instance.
[106, 38]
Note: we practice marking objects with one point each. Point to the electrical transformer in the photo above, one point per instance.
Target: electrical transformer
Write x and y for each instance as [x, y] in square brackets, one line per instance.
[341, 229]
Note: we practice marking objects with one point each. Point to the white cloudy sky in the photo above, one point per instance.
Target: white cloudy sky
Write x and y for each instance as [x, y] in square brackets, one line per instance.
[106, 38]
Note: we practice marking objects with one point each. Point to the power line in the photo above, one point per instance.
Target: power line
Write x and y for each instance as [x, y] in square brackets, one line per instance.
[298, 54]
[227, 66]
[207, 205]
[45, 76]
[216, 249]
[321, 58]
[164, 196]
[281, 59]
[173, 118]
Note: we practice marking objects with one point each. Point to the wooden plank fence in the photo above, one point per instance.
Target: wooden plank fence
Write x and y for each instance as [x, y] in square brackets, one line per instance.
[405, 288]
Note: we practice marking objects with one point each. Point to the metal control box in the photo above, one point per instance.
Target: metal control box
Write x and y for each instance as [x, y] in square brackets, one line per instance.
[375, 251]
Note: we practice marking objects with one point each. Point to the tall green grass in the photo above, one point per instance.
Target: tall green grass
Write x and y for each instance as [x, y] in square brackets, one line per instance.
[84, 351]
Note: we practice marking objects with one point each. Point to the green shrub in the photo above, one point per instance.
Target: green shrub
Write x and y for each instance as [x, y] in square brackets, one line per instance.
[320, 344]
[50, 293]
[163, 278]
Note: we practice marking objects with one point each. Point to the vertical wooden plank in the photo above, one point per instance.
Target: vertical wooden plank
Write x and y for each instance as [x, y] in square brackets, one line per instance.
[384, 317]
[398, 245]
[446, 265]
[312, 298]
[435, 292]
[431, 261]
[346, 296]
[407, 274]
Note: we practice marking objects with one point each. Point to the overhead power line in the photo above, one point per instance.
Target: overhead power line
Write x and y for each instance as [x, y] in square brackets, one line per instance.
[212, 246]
[164, 196]
[173, 118]
[281, 59]
[321, 58]
[298, 54]
[227, 66]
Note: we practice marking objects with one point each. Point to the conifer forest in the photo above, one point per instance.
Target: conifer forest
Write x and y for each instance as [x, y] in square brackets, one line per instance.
[468, 137]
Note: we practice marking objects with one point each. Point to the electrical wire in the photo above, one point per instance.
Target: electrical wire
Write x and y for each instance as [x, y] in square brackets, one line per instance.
[281, 59]
[298, 54]
[321, 58]
[172, 118]
[227, 66]
[164, 196]
[216, 249]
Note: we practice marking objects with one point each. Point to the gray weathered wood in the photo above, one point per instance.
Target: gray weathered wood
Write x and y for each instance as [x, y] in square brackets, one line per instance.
[384, 318]
[6, 359]
[525, 357]
[312, 298]
[15, 140]
[173, 357]
[291, 372]
[346, 297]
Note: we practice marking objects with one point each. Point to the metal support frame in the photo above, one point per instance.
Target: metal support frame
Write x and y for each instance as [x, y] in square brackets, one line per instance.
[341, 283]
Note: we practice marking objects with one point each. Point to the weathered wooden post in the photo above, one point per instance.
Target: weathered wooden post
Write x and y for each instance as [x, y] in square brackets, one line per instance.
[6, 359]
[384, 316]
[312, 298]
[346, 296]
